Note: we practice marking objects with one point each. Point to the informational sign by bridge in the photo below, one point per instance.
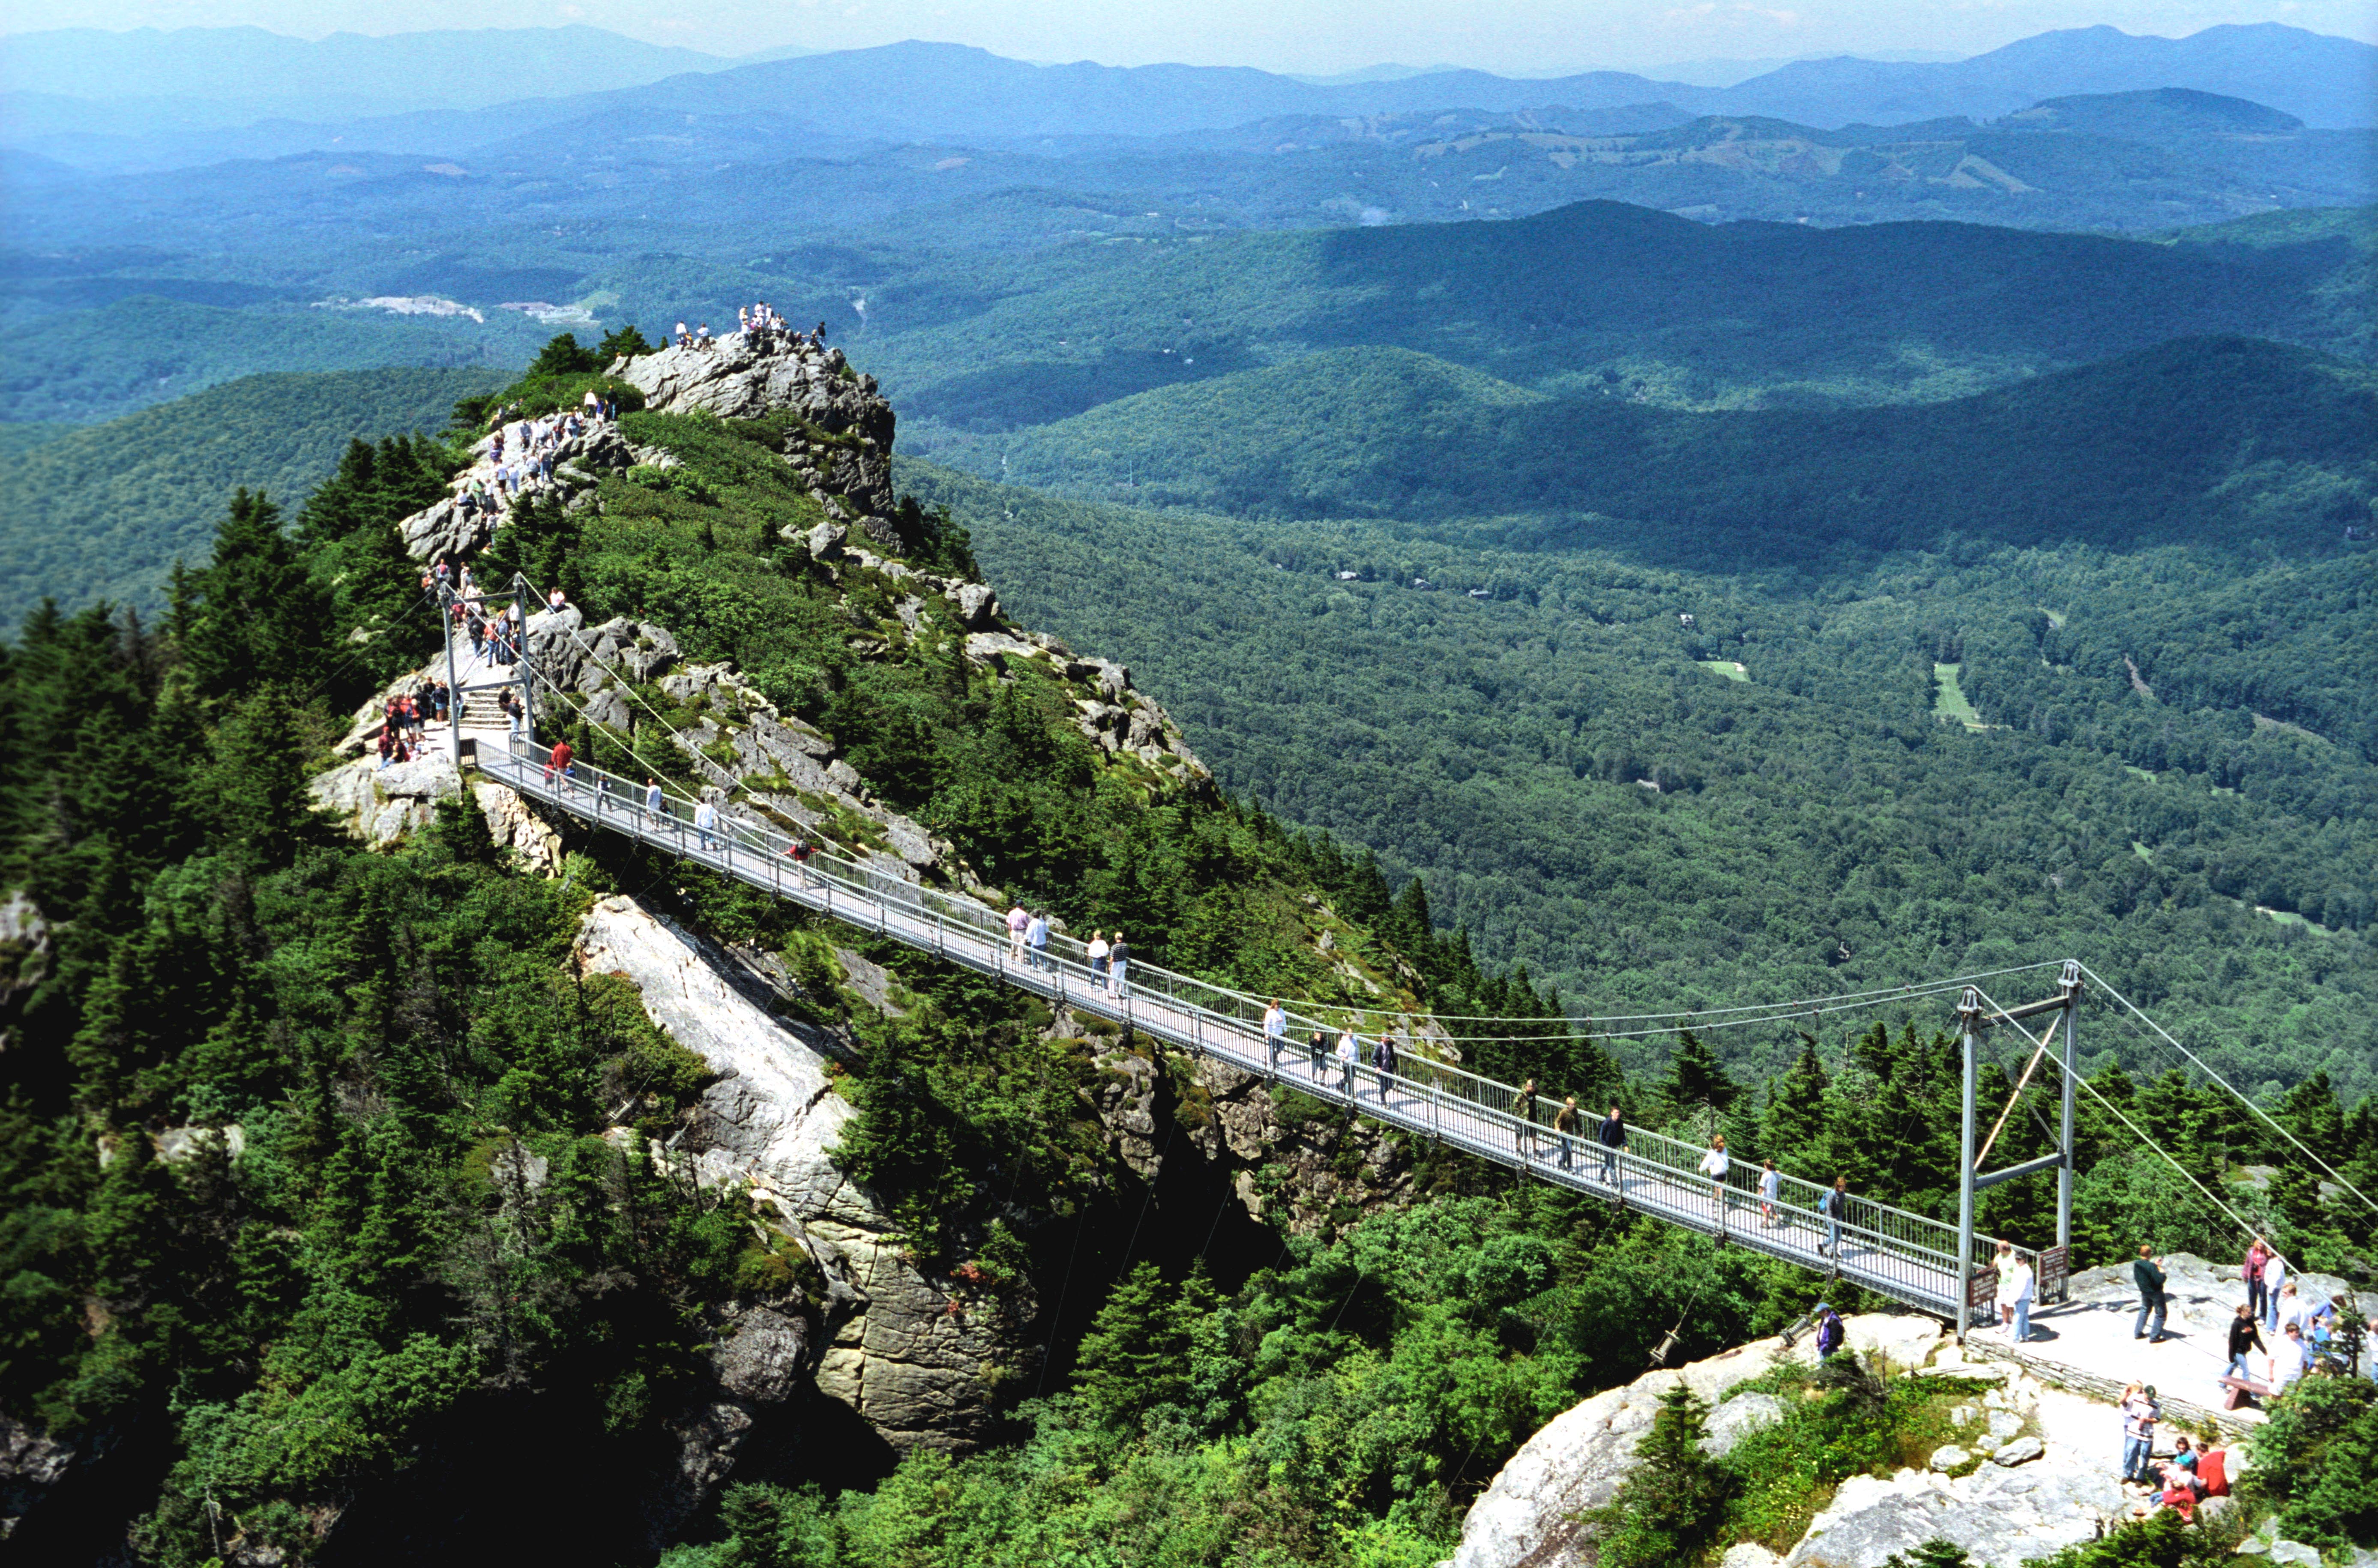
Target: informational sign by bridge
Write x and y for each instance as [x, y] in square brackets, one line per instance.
[1982, 1294]
[2056, 1273]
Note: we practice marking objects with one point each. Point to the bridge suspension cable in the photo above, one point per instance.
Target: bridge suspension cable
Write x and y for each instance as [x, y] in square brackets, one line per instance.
[2234, 1092]
[1836, 1001]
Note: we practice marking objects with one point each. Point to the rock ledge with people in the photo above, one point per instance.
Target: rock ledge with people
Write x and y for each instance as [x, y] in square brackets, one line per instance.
[2026, 1470]
[629, 677]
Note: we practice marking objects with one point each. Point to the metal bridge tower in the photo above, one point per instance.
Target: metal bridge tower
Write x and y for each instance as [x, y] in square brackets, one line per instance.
[1974, 1015]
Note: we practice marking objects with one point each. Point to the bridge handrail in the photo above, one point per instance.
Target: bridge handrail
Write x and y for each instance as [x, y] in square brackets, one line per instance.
[1228, 1018]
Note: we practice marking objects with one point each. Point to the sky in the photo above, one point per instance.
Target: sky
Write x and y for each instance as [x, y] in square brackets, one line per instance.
[1315, 36]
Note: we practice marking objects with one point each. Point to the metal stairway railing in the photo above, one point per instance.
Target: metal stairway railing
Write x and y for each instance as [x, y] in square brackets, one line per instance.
[1894, 1252]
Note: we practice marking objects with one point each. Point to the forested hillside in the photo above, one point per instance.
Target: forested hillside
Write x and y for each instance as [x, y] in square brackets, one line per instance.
[439, 1298]
[103, 351]
[103, 511]
[1773, 800]
[2115, 455]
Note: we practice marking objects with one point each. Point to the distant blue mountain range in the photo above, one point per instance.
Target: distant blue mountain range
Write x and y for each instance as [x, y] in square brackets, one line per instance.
[161, 100]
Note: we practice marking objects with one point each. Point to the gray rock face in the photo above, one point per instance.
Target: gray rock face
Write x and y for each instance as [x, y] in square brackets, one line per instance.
[1737, 1419]
[2001, 1517]
[381, 805]
[918, 1372]
[178, 1143]
[31, 1466]
[2205, 1296]
[425, 778]
[847, 450]
[1949, 1456]
[25, 948]
[978, 606]
[447, 531]
[1529, 1517]
[2020, 1451]
[764, 1356]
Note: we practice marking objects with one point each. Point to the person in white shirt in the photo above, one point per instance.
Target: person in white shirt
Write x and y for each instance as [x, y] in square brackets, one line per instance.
[1018, 919]
[1715, 1165]
[1096, 953]
[2017, 1285]
[2274, 1281]
[1770, 1193]
[706, 822]
[2291, 1358]
[1275, 1028]
[1347, 1052]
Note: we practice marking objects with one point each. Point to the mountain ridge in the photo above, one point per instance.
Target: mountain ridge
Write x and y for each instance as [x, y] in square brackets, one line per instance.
[921, 90]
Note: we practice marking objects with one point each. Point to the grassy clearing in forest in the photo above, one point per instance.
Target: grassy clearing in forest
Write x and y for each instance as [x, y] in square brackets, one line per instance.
[1949, 700]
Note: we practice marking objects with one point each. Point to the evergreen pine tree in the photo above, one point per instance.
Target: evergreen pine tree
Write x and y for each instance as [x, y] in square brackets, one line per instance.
[1696, 1078]
[1136, 1352]
[253, 615]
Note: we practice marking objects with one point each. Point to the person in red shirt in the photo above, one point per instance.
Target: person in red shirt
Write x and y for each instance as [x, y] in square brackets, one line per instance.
[558, 766]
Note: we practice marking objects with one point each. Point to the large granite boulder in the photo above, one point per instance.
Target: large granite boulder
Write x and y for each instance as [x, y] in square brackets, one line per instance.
[2002, 1517]
[1530, 1514]
[846, 450]
[895, 1351]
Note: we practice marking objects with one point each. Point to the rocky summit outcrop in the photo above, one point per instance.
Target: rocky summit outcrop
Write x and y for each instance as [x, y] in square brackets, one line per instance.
[842, 443]
[908, 1355]
[2035, 1476]
[448, 529]
[381, 805]
[1530, 1515]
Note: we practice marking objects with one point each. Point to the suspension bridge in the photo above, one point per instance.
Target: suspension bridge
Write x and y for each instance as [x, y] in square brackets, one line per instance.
[1935, 1266]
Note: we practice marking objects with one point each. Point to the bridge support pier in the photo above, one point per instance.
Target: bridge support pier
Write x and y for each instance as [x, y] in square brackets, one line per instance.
[2072, 985]
[1969, 1026]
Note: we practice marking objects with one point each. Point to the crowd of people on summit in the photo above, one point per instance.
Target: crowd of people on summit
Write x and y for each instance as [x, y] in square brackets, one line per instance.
[522, 452]
[762, 323]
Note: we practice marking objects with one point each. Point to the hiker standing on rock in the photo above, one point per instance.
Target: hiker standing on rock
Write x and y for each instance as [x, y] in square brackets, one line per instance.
[2152, 1300]
[2016, 1284]
[2139, 1412]
[2245, 1333]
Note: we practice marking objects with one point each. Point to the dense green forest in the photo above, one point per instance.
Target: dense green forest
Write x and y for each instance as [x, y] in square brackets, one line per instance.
[2114, 454]
[1326, 373]
[1580, 786]
[149, 348]
[987, 305]
[103, 511]
[362, 1320]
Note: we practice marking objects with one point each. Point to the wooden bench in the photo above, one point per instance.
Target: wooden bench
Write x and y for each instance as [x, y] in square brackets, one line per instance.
[2242, 1389]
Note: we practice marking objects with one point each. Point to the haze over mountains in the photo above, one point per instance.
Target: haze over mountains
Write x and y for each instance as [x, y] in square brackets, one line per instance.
[67, 91]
